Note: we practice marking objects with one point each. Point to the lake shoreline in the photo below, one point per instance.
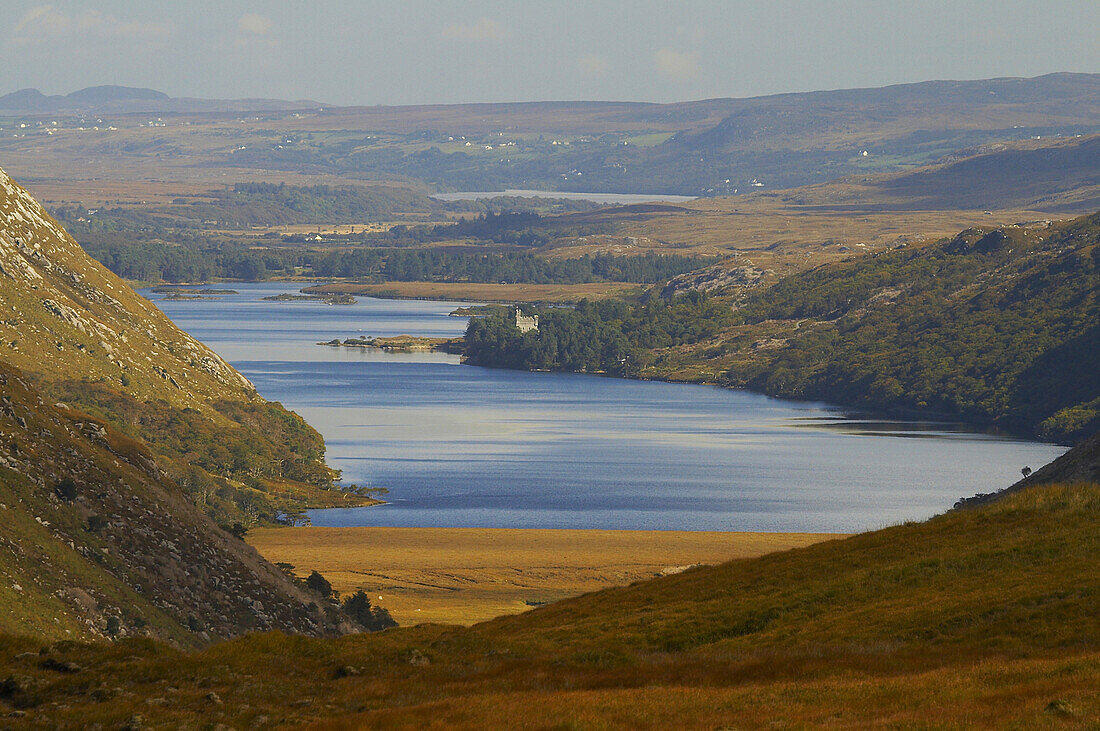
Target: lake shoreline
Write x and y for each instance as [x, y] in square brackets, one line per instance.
[502, 448]
[983, 427]
[485, 292]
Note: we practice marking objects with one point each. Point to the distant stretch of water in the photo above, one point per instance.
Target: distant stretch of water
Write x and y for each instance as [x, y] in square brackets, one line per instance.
[464, 446]
[610, 198]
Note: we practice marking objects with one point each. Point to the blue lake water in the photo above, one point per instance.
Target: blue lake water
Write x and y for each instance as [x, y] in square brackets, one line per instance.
[459, 445]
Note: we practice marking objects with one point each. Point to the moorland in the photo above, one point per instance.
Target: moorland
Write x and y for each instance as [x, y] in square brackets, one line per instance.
[925, 249]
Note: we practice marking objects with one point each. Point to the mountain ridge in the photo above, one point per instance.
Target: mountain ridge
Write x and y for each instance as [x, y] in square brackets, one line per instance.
[129, 99]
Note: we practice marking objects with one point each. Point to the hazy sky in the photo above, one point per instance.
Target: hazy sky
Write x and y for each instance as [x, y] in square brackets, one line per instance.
[416, 51]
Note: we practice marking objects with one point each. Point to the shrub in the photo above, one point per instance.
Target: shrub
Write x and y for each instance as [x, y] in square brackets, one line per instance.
[371, 618]
[319, 585]
[114, 625]
[66, 489]
[237, 530]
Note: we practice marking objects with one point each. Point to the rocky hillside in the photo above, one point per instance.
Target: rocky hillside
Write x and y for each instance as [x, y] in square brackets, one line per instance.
[102, 524]
[89, 340]
[96, 541]
[69, 317]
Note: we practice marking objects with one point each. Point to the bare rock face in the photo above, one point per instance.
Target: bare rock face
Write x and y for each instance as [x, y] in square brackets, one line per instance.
[715, 278]
[95, 539]
[67, 314]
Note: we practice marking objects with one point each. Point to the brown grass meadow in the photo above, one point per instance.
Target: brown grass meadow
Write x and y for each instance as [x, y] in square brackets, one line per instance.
[984, 618]
[468, 575]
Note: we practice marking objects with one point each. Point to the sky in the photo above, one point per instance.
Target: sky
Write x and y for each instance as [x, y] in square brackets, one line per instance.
[363, 52]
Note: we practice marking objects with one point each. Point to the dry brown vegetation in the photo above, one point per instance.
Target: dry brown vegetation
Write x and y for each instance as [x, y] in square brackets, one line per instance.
[479, 292]
[983, 617]
[467, 575]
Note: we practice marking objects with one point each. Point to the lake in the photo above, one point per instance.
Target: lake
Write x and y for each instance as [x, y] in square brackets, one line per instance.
[464, 446]
[608, 198]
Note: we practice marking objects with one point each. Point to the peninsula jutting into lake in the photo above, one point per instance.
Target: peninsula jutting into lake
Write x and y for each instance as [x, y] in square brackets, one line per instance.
[466, 446]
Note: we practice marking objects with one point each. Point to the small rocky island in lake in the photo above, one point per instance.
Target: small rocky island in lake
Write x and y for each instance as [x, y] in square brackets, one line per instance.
[479, 311]
[176, 292]
[328, 299]
[185, 296]
[401, 344]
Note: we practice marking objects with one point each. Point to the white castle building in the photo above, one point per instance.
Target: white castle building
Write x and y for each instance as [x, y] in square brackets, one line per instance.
[525, 323]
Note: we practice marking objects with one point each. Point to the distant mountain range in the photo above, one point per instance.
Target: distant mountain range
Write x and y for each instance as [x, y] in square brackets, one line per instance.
[708, 147]
[121, 99]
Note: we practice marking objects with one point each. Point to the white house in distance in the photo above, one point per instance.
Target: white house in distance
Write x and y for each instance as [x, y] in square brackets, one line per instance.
[525, 323]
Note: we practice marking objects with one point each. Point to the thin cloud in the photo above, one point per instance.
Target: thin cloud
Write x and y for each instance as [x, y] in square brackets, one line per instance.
[592, 64]
[480, 30]
[256, 24]
[46, 23]
[677, 65]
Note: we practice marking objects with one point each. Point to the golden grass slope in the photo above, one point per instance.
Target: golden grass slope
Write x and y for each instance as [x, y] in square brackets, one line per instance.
[974, 618]
[468, 575]
[66, 316]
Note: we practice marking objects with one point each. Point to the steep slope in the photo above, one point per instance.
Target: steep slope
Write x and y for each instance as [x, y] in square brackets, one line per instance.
[99, 533]
[95, 541]
[91, 341]
[71, 316]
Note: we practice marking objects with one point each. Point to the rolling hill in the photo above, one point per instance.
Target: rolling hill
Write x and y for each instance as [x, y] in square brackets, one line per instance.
[1056, 176]
[112, 99]
[981, 617]
[994, 326]
[707, 147]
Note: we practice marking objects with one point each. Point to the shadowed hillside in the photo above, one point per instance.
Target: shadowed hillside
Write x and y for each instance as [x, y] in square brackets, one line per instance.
[96, 542]
[1052, 175]
[993, 326]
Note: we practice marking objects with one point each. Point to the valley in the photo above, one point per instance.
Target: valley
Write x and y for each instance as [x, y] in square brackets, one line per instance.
[460, 446]
[723, 480]
[462, 576]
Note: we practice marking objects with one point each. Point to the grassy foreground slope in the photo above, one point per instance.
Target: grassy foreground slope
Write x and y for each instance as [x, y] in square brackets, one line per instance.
[981, 616]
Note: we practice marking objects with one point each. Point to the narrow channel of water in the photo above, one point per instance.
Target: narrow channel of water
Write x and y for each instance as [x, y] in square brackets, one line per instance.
[460, 445]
